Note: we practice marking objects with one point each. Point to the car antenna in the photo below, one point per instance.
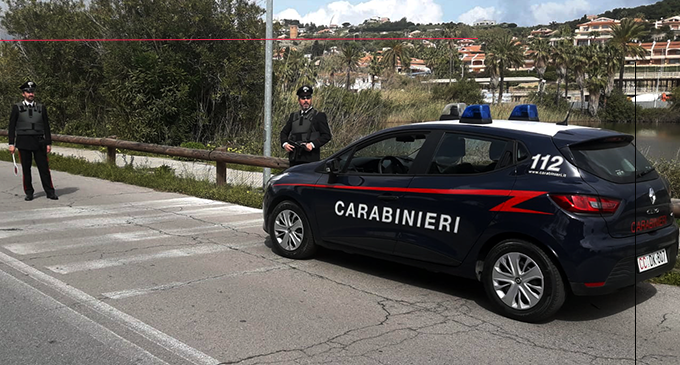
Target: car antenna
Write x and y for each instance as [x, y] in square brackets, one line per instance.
[564, 122]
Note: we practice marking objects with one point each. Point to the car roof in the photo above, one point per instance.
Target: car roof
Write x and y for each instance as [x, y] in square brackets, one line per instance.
[543, 128]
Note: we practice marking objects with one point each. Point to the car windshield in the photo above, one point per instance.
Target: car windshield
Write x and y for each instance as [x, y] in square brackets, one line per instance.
[618, 162]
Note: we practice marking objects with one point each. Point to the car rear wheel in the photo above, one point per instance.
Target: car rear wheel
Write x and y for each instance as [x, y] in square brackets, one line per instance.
[290, 232]
[522, 281]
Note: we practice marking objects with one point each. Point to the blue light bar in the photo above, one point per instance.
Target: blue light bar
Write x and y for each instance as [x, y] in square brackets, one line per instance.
[527, 112]
[476, 114]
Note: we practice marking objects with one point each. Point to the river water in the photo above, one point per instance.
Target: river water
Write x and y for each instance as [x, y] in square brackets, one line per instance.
[656, 141]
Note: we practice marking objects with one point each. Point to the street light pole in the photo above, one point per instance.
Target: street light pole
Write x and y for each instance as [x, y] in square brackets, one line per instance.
[268, 81]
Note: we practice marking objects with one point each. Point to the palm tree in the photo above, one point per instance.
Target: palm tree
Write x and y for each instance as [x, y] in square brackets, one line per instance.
[375, 68]
[613, 59]
[541, 56]
[492, 63]
[351, 55]
[579, 63]
[562, 57]
[508, 52]
[451, 31]
[597, 80]
[397, 51]
[622, 36]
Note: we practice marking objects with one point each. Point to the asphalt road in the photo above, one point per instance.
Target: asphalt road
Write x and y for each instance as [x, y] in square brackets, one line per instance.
[118, 274]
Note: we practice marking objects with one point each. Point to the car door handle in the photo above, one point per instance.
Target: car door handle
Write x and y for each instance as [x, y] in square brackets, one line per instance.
[388, 197]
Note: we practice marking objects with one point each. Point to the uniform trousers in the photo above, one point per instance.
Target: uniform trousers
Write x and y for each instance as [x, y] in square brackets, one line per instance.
[40, 156]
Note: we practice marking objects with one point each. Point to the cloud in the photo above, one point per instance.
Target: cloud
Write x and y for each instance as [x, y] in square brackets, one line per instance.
[338, 12]
[559, 12]
[479, 13]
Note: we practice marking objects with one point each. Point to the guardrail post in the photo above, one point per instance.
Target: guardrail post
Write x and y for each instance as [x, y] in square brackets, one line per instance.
[221, 168]
[111, 153]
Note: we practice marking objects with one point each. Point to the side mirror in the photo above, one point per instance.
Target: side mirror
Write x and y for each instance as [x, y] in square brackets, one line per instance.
[333, 166]
[332, 169]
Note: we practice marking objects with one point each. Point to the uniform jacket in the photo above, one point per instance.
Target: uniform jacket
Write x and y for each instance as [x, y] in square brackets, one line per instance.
[29, 142]
[321, 137]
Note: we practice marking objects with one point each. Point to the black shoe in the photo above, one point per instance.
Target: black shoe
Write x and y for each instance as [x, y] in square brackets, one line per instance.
[53, 197]
[28, 197]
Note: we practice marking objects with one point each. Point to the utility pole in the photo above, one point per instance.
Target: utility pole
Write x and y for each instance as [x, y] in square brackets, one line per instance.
[268, 81]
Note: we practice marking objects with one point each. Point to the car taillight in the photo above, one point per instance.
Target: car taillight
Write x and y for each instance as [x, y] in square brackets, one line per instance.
[588, 204]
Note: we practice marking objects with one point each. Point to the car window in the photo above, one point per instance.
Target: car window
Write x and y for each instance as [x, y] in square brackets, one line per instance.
[393, 155]
[613, 161]
[522, 152]
[461, 154]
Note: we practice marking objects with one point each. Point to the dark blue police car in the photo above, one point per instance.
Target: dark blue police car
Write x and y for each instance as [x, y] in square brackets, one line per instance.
[533, 210]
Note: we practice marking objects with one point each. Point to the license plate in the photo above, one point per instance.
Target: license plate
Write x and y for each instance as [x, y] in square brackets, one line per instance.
[652, 260]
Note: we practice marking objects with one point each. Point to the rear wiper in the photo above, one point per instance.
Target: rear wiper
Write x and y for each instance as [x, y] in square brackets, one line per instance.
[643, 173]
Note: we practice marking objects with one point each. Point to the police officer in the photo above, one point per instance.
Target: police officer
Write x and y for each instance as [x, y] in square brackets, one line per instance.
[306, 131]
[29, 131]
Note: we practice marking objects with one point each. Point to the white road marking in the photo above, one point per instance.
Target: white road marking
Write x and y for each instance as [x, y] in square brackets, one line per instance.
[114, 262]
[106, 239]
[93, 210]
[106, 220]
[142, 291]
[161, 339]
[80, 322]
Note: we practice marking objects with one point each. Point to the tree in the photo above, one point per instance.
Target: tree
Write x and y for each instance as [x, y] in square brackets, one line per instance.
[375, 68]
[398, 51]
[622, 36]
[541, 57]
[493, 65]
[566, 32]
[580, 62]
[509, 54]
[317, 49]
[597, 80]
[561, 56]
[346, 24]
[351, 55]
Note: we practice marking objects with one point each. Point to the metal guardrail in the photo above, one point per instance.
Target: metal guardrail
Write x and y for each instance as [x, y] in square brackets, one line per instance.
[219, 155]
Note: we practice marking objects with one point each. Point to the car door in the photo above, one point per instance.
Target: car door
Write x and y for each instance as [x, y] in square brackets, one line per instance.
[467, 181]
[356, 206]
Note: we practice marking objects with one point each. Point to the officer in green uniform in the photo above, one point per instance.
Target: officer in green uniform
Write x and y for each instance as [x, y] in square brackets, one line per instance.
[29, 132]
[306, 131]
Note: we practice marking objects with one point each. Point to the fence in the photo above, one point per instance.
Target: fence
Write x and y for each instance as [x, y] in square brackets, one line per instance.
[219, 155]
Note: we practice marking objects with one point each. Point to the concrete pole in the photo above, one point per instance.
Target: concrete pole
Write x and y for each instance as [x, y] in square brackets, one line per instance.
[268, 87]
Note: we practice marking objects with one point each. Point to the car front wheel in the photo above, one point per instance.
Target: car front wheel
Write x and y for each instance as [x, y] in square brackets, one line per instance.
[522, 281]
[290, 232]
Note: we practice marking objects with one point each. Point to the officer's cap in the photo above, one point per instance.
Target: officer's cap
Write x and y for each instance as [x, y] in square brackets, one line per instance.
[305, 91]
[28, 86]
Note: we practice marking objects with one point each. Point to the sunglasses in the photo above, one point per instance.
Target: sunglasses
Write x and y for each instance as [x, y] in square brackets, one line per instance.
[305, 98]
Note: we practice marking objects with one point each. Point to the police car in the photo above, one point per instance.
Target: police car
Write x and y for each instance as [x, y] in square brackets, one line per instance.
[533, 210]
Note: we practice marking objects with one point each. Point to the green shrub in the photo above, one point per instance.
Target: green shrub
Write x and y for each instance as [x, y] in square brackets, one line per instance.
[194, 145]
[466, 91]
[618, 109]
[671, 170]
[659, 115]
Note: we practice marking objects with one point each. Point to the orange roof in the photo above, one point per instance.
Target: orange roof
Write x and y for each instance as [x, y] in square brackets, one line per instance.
[476, 57]
[471, 49]
[600, 21]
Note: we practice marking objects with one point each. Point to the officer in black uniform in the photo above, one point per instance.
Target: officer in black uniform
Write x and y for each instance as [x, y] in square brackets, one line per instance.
[305, 131]
[29, 131]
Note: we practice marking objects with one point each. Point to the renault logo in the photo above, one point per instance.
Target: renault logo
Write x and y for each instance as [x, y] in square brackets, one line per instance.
[652, 195]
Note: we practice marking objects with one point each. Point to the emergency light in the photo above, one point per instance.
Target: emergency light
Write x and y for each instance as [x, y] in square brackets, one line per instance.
[476, 114]
[527, 112]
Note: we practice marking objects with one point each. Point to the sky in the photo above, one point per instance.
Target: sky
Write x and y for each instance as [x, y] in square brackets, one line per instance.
[520, 12]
